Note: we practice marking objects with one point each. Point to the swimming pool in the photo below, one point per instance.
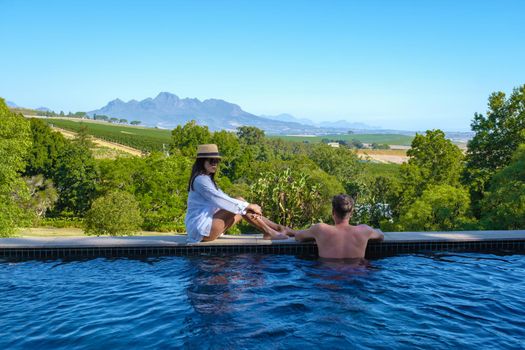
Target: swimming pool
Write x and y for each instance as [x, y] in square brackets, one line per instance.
[265, 301]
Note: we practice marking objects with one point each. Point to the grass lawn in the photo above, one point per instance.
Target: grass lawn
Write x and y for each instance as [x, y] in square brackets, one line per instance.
[73, 232]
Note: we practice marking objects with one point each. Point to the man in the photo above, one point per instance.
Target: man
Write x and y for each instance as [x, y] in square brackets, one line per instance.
[341, 240]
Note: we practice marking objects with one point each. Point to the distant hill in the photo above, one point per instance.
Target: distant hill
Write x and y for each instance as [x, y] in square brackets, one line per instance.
[11, 104]
[168, 110]
[285, 117]
[348, 125]
[338, 125]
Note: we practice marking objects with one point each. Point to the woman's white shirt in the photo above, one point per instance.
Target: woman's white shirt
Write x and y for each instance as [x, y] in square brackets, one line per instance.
[203, 202]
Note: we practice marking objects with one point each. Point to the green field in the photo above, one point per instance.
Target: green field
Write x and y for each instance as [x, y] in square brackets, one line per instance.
[144, 139]
[389, 139]
[381, 169]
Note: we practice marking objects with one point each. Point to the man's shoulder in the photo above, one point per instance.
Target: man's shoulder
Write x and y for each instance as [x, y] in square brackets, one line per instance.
[320, 228]
[364, 227]
[370, 231]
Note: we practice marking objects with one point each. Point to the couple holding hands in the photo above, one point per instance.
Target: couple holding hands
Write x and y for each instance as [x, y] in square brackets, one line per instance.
[211, 212]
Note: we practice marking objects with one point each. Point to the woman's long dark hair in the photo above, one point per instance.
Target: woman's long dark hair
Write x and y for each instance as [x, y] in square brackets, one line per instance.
[198, 169]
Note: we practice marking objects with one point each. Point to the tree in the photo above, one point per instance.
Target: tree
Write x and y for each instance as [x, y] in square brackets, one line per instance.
[498, 135]
[75, 179]
[342, 163]
[434, 160]
[250, 135]
[503, 205]
[380, 146]
[441, 207]
[123, 121]
[15, 141]
[160, 187]
[186, 138]
[83, 138]
[115, 213]
[229, 148]
[357, 144]
[438, 158]
[43, 195]
[101, 117]
[45, 149]
[113, 120]
[135, 122]
[157, 182]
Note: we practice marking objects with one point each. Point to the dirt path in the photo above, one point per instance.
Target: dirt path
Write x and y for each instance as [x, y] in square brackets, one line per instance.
[384, 156]
[133, 151]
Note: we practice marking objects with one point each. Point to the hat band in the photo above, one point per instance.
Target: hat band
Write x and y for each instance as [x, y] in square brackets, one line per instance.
[212, 154]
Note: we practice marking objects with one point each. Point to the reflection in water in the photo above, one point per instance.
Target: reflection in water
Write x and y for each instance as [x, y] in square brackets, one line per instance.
[217, 282]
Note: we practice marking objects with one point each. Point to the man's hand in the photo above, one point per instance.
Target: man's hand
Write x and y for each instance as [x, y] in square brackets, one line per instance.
[254, 208]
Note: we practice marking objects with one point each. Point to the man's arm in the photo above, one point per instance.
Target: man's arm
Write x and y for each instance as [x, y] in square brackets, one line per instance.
[306, 235]
[376, 234]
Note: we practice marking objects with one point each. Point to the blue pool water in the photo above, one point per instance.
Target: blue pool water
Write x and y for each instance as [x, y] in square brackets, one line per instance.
[472, 301]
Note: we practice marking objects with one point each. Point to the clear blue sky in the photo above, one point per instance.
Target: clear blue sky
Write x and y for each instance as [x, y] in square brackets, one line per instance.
[397, 64]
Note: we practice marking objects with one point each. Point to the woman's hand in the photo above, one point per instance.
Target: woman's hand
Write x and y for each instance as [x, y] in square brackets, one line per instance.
[254, 208]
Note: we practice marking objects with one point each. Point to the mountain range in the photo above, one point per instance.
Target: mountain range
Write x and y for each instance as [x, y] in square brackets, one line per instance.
[340, 124]
[167, 110]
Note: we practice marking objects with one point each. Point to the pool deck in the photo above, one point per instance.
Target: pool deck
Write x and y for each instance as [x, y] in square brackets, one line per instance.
[394, 243]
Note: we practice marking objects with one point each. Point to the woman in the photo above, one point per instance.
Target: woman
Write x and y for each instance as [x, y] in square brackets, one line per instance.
[210, 211]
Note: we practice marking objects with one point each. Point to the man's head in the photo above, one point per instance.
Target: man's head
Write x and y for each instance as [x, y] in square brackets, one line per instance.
[342, 206]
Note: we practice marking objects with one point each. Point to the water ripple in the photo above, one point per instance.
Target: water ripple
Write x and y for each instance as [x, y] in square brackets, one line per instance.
[436, 301]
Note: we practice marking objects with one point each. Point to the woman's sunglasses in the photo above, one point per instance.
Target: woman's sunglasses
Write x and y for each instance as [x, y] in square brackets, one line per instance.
[214, 161]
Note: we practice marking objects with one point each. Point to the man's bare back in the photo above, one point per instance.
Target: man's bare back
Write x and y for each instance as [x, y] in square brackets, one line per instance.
[340, 241]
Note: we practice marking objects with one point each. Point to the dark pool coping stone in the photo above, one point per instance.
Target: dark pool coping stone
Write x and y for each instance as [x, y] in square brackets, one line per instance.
[394, 243]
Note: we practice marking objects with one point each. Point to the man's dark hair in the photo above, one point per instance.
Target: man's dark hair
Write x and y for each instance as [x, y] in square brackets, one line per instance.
[343, 205]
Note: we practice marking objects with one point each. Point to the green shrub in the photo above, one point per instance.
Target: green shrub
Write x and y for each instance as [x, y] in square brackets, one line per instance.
[116, 213]
[287, 197]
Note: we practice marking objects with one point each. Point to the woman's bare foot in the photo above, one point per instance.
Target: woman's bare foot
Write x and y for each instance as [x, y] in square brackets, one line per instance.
[268, 232]
[274, 235]
[288, 231]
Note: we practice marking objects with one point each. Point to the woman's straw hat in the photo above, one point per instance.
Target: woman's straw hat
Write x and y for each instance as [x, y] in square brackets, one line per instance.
[208, 151]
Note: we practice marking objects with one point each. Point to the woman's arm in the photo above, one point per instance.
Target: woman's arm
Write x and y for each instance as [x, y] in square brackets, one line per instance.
[205, 187]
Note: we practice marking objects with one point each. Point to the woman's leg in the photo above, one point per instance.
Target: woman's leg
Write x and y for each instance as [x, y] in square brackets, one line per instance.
[270, 229]
[258, 222]
[222, 221]
[273, 225]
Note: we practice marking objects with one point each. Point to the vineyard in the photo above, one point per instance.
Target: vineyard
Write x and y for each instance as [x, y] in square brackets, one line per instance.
[144, 139]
